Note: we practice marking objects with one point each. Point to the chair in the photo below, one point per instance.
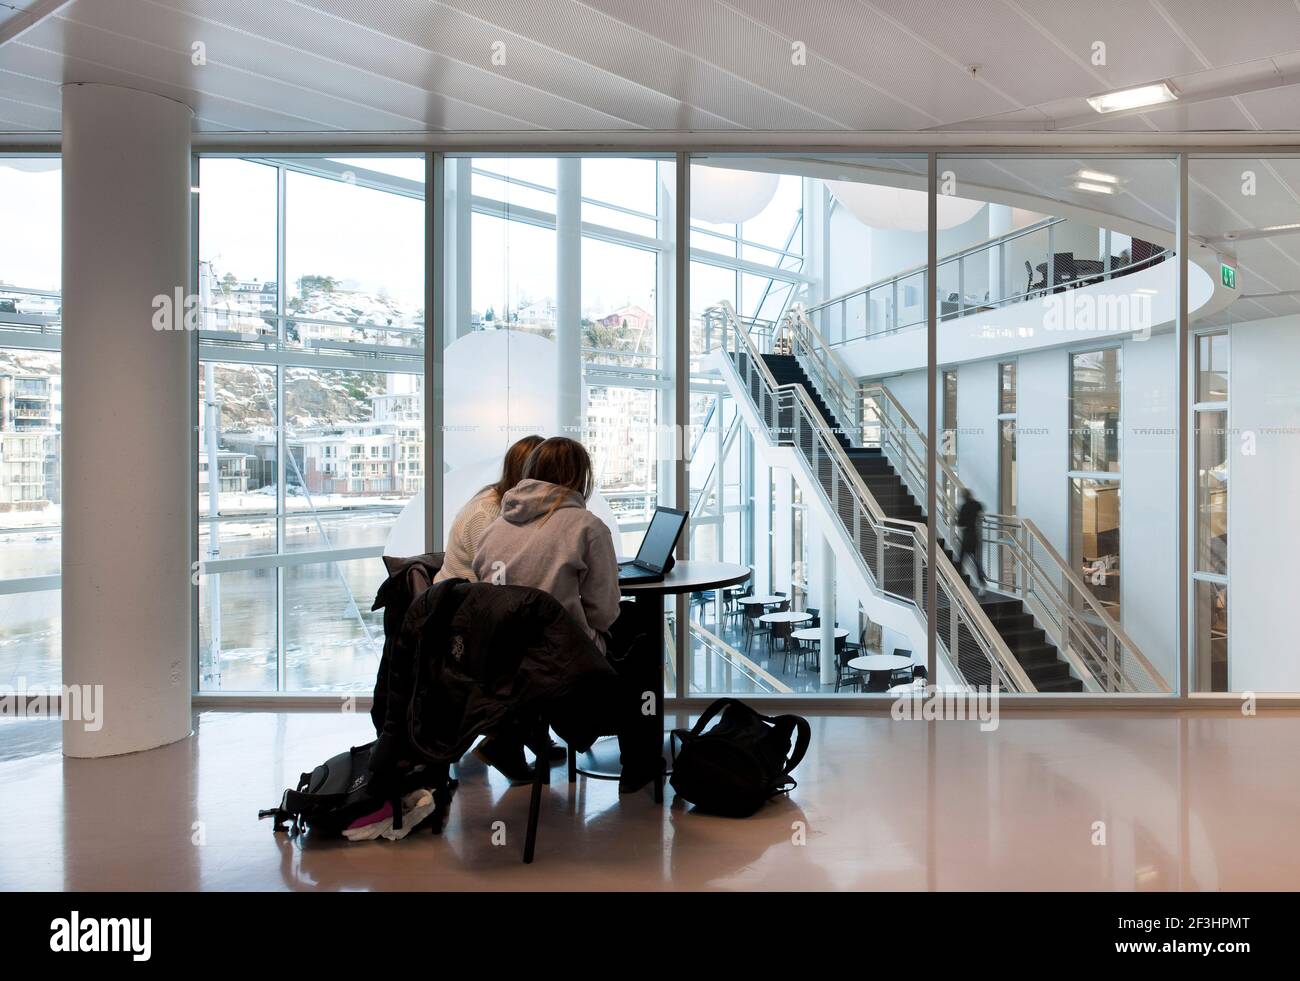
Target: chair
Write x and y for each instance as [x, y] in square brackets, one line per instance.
[732, 607]
[701, 599]
[1063, 272]
[845, 676]
[816, 620]
[903, 675]
[753, 625]
[780, 631]
[1030, 286]
[1143, 252]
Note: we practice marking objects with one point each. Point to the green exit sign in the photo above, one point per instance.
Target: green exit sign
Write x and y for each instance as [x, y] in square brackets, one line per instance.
[1228, 275]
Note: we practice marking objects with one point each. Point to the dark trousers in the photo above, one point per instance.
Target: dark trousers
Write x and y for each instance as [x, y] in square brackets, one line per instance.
[970, 547]
[630, 650]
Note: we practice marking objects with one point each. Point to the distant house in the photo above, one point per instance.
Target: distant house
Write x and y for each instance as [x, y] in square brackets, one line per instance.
[633, 317]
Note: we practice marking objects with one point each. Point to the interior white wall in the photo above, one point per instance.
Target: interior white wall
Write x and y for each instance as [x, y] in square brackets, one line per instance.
[977, 430]
[1148, 524]
[1042, 448]
[910, 389]
[1263, 516]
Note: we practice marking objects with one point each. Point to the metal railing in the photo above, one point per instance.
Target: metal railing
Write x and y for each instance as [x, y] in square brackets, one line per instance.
[715, 647]
[980, 278]
[1024, 563]
[890, 552]
[1017, 556]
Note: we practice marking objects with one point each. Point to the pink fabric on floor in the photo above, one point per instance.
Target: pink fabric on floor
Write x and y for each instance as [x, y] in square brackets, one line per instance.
[384, 812]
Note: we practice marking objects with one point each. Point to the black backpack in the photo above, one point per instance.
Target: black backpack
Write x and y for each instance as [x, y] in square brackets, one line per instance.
[343, 788]
[741, 763]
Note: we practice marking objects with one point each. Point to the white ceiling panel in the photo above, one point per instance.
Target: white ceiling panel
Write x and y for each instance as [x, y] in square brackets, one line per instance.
[1011, 52]
[1228, 33]
[1139, 44]
[410, 66]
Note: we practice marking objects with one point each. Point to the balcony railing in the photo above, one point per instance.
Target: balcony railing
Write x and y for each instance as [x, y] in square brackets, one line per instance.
[1011, 268]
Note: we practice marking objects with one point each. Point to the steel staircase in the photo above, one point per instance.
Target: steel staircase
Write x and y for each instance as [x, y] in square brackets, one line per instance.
[1039, 630]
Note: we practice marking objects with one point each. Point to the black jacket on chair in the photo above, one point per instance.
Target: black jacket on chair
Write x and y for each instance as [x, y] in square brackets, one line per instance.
[473, 658]
[407, 579]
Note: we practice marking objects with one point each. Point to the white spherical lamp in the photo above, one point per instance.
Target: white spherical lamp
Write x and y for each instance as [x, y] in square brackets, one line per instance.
[725, 197]
[499, 386]
[900, 208]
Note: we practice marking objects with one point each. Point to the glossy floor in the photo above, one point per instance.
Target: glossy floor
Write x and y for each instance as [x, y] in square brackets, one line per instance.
[1198, 801]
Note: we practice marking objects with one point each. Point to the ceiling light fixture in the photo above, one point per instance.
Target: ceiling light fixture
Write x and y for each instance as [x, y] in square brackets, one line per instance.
[1134, 98]
[1097, 177]
[1094, 188]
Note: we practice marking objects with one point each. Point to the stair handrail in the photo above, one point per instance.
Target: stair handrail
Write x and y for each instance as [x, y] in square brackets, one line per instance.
[949, 486]
[828, 373]
[1107, 662]
[1004, 668]
[949, 490]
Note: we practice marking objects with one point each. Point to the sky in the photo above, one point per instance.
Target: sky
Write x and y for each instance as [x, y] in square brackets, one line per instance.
[374, 241]
[31, 201]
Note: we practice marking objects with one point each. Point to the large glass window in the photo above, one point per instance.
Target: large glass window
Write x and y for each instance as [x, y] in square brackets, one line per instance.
[1056, 294]
[31, 398]
[1211, 452]
[558, 323]
[780, 246]
[1245, 422]
[311, 411]
[1094, 411]
[1094, 450]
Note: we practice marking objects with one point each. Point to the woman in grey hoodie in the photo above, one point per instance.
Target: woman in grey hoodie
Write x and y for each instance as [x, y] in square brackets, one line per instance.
[546, 538]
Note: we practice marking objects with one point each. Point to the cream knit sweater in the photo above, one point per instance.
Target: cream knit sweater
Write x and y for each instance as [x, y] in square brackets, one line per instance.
[466, 535]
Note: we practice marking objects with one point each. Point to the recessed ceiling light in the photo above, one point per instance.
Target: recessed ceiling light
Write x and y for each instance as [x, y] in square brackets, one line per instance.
[1134, 98]
[1094, 188]
[1097, 177]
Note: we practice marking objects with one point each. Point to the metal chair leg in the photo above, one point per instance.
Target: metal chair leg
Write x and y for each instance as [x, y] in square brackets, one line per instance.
[541, 775]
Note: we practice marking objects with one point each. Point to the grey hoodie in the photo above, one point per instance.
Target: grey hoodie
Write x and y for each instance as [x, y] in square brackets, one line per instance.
[569, 554]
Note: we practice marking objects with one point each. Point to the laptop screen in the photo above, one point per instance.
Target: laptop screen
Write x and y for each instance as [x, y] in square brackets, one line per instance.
[660, 538]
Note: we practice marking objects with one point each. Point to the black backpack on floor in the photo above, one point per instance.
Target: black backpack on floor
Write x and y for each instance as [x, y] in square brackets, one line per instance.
[343, 789]
[741, 763]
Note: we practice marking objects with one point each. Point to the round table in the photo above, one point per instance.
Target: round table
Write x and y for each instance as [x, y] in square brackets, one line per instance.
[789, 616]
[815, 633]
[880, 662]
[916, 686]
[686, 576]
[762, 600]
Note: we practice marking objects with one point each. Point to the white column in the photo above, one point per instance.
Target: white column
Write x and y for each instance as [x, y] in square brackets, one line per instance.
[128, 390]
[999, 224]
[826, 558]
[457, 253]
[568, 296]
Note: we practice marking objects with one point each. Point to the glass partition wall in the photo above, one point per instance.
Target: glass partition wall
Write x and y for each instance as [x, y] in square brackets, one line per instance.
[1244, 424]
[1056, 397]
[310, 416]
[557, 320]
[1057, 303]
[30, 420]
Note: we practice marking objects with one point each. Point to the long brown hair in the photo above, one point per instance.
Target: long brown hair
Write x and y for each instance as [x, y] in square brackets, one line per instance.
[564, 462]
[512, 468]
